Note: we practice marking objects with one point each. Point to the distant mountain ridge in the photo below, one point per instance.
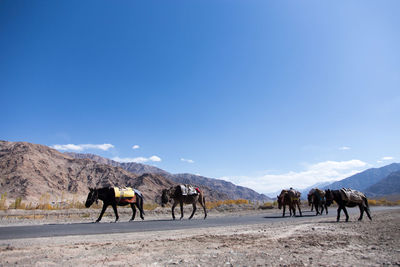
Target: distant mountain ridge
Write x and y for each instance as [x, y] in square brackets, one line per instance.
[233, 191]
[228, 189]
[387, 186]
[136, 168]
[361, 181]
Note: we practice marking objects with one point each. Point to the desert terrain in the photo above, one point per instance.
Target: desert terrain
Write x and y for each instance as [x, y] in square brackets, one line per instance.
[311, 242]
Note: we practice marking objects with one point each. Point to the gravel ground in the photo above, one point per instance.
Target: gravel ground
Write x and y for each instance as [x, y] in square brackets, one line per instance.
[313, 242]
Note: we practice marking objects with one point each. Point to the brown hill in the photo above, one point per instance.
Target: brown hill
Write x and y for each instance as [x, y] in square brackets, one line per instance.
[30, 171]
[216, 189]
[133, 167]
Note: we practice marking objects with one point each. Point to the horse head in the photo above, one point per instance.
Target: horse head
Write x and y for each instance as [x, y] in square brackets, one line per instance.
[92, 197]
[164, 197]
[281, 198]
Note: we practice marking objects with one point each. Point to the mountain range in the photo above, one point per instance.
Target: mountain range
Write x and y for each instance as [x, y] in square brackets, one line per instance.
[30, 171]
[361, 181]
[229, 189]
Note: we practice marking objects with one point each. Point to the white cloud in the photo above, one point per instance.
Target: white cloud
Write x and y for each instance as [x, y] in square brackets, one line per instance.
[135, 147]
[315, 173]
[187, 160]
[83, 147]
[155, 158]
[387, 158]
[344, 148]
[138, 159]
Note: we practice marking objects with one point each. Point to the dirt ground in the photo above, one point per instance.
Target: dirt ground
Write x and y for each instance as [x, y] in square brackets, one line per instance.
[321, 242]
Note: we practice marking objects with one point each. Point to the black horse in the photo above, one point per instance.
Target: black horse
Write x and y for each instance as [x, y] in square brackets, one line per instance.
[107, 195]
[359, 200]
[318, 200]
[175, 193]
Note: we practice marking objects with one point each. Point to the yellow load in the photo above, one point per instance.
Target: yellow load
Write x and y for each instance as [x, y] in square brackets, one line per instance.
[126, 192]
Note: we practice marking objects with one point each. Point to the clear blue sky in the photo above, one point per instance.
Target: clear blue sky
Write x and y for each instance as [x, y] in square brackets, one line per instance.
[265, 94]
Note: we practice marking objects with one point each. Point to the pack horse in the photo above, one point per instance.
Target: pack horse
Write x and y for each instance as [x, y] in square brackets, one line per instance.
[291, 198]
[115, 196]
[346, 197]
[184, 194]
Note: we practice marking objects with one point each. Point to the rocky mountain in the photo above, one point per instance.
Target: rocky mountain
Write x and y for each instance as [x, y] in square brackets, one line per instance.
[30, 171]
[217, 189]
[133, 167]
[361, 181]
[389, 185]
[228, 188]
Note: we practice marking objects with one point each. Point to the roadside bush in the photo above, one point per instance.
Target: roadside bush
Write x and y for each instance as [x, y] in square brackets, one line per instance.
[215, 204]
[3, 201]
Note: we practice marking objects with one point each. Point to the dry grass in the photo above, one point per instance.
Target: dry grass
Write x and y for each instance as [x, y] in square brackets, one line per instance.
[215, 204]
[383, 202]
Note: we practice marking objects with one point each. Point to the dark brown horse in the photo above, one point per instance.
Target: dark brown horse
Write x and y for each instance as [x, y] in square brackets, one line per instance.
[175, 193]
[291, 198]
[354, 198]
[317, 198]
[107, 195]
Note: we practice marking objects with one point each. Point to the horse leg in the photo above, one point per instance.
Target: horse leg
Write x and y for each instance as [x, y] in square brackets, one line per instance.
[284, 208]
[134, 212]
[361, 212]
[202, 202]
[322, 209]
[194, 210]
[293, 207]
[345, 212]
[316, 210]
[139, 205]
[102, 212]
[368, 214]
[298, 205]
[338, 213]
[326, 208]
[312, 206]
[114, 206]
[181, 203]
[366, 207]
[173, 208]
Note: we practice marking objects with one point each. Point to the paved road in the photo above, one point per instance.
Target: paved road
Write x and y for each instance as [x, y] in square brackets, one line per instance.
[51, 230]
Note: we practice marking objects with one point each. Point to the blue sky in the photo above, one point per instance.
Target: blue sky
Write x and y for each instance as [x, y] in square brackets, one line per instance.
[266, 94]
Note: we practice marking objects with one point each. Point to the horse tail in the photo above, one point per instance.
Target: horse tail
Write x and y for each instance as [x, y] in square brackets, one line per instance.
[366, 203]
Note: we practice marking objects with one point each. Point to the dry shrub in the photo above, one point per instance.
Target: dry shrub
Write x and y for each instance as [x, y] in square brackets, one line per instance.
[382, 202]
[150, 206]
[3, 201]
[267, 205]
[215, 204]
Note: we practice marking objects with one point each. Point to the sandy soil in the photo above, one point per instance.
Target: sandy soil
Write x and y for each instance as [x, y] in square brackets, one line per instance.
[321, 242]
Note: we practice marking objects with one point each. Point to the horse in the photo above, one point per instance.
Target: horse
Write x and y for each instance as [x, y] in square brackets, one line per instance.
[310, 200]
[175, 193]
[318, 200]
[107, 195]
[291, 198]
[356, 199]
